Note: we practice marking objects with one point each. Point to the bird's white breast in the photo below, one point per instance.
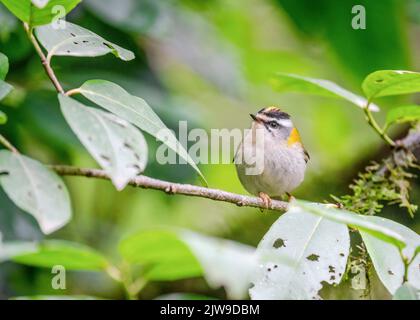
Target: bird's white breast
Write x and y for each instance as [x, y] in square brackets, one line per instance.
[283, 171]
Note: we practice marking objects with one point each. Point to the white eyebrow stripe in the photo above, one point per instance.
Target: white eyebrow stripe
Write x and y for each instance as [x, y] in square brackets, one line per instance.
[284, 122]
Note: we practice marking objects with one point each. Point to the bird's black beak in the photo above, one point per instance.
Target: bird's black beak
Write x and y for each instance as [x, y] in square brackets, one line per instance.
[253, 117]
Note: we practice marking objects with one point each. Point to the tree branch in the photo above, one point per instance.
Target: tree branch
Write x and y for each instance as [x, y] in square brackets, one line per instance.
[176, 188]
[410, 143]
[45, 62]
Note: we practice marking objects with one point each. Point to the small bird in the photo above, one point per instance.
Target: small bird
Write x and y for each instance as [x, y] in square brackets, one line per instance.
[284, 158]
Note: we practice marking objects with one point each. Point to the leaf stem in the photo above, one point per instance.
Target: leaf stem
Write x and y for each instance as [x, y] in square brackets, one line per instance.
[44, 60]
[7, 144]
[372, 122]
[73, 92]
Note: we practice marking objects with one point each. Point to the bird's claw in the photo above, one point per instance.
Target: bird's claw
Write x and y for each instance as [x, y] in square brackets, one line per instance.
[290, 197]
[266, 199]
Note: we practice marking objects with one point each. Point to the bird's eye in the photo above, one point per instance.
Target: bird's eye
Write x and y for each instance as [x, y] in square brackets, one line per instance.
[274, 124]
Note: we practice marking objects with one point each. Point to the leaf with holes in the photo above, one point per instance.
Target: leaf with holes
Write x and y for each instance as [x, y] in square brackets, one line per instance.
[387, 260]
[390, 83]
[39, 12]
[35, 189]
[402, 114]
[225, 263]
[285, 82]
[118, 147]
[72, 256]
[115, 99]
[76, 41]
[163, 255]
[297, 254]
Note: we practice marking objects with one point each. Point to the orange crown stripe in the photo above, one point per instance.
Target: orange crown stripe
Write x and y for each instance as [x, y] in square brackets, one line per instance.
[272, 109]
[294, 137]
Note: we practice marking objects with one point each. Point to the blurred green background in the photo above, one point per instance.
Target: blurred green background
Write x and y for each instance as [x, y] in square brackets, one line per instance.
[208, 62]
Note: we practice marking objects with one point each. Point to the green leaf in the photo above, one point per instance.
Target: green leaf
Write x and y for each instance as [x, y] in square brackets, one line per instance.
[3, 118]
[402, 114]
[298, 254]
[116, 145]
[387, 260]
[225, 263]
[72, 256]
[285, 82]
[76, 41]
[390, 83]
[162, 253]
[135, 110]
[378, 227]
[407, 292]
[5, 89]
[36, 15]
[4, 66]
[35, 189]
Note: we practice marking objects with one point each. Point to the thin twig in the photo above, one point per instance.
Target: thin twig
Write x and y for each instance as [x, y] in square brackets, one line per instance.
[7, 144]
[44, 60]
[176, 188]
[372, 122]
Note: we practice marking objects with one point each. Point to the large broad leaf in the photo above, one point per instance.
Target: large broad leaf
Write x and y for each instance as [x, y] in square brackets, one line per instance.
[116, 145]
[35, 189]
[403, 114]
[407, 292]
[72, 256]
[285, 82]
[135, 110]
[74, 40]
[4, 66]
[225, 263]
[36, 15]
[390, 83]
[377, 227]
[387, 260]
[162, 253]
[297, 254]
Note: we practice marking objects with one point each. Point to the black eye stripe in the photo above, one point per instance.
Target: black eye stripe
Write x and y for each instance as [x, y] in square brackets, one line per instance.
[269, 122]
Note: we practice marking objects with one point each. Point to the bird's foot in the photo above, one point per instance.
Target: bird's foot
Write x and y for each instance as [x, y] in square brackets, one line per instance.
[290, 198]
[266, 199]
